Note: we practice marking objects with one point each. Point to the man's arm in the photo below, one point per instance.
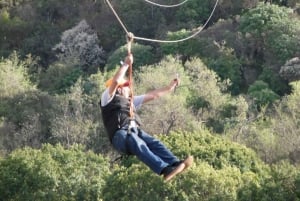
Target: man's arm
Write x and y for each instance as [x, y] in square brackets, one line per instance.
[119, 76]
[162, 91]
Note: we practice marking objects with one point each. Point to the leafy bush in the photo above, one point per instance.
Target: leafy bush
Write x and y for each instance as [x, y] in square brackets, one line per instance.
[81, 42]
[142, 56]
[208, 100]
[216, 151]
[261, 93]
[277, 185]
[274, 28]
[52, 173]
[12, 32]
[140, 18]
[14, 78]
[273, 132]
[29, 113]
[275, 82]
[222, 171]
[60, 76]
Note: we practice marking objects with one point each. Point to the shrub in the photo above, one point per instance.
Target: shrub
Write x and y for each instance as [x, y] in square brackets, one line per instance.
[261, 93]
[142, 56]
[52, 173]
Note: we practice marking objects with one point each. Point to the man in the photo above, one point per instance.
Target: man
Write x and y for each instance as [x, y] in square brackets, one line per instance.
[124, 129]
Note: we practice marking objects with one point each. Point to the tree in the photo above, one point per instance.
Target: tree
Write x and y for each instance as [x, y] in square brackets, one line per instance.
[140, 18]
[26, 120]
[71, 124]
[273, 131]
[143, 55]
[13, 30]
[60, 76]
[208, 99]
[14, 78]
[165, 114]
[223, 171]
[81, 42]
[291, 70]
[261, 93]
[275, 29]
[53, 173]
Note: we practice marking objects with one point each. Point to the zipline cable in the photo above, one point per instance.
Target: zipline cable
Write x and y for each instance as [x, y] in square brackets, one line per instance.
[164, 41]
[166, 6]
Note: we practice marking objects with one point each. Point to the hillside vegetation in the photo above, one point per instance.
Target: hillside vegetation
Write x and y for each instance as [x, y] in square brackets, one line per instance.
[236, 111]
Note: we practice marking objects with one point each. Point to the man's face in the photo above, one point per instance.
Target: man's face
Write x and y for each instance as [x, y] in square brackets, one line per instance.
[124, 91]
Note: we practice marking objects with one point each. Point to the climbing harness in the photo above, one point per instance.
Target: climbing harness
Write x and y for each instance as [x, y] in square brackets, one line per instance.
[199, 29]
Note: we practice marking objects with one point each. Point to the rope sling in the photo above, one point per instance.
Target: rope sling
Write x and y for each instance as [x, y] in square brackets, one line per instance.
[129, 38]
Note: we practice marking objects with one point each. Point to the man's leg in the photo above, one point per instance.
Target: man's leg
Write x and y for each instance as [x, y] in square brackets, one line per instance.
[158, 148]
[137, 146]
[142, 151]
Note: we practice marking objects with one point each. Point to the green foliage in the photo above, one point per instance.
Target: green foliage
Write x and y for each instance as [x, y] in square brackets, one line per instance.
[164, 114]
[22, 107]
[219, 58]
[186, 48]
[273, 134]
[142, 56]
[222, 171]
[190, 14]
[287, 3]
[285, 43]
[293, 98]
[208, 100]
[10, 3]
[215, 151]
[12, 32]
[261, 93]
[60, 76]
[71, 123]
[200, 182]
[278, 185]
[262, 18]
[274, 81]
[275, 28]
[52, 173]
[26, 118]
[81, 42]
[140, 18]
[227, 66]
[297, 185]
[14, 78]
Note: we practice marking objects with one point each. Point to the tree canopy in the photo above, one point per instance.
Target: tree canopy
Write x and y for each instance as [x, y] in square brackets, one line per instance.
[236, 109]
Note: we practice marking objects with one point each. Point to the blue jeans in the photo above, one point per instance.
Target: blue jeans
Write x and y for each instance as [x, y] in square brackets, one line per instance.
[146, 148]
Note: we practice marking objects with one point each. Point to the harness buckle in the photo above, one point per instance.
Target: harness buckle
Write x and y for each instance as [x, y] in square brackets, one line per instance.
[132, 124]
